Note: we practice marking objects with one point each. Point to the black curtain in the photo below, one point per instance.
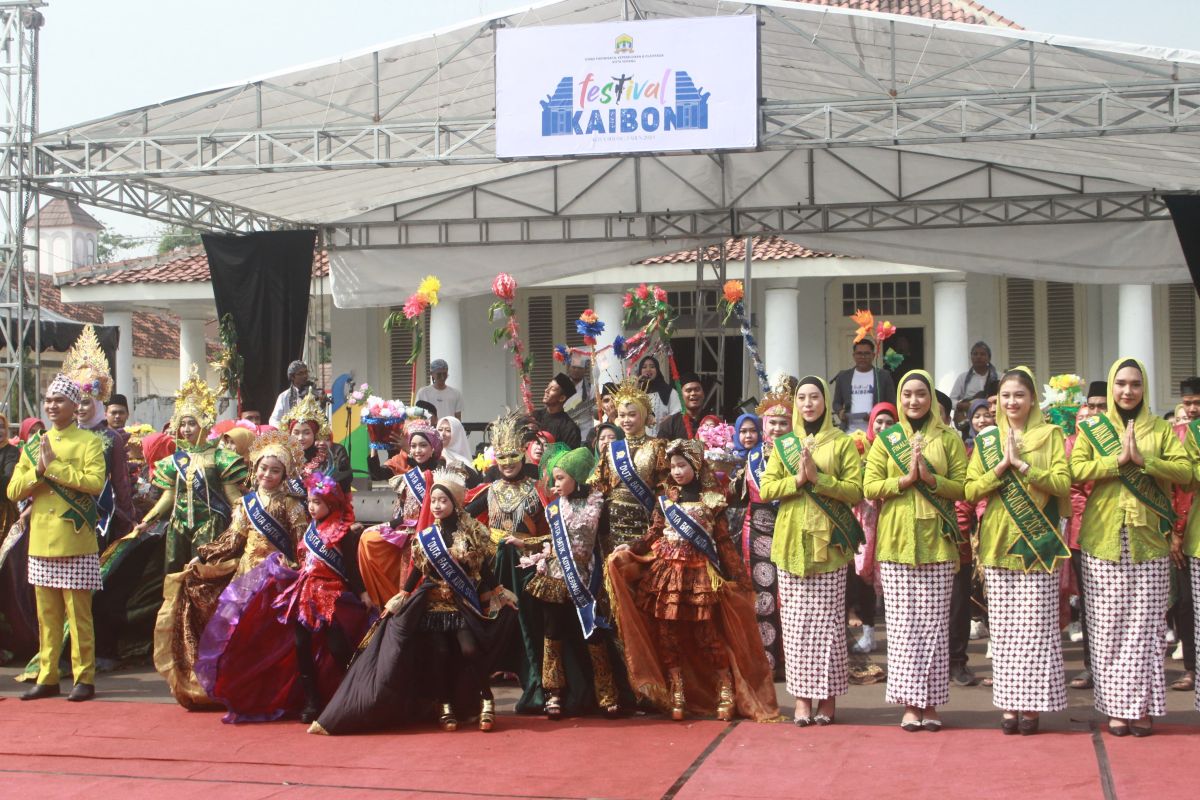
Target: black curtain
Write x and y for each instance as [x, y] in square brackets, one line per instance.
[262, 281]
[1185, 213]
[59, 334]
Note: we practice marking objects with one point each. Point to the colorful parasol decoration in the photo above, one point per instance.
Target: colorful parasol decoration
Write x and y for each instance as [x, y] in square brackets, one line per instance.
[732, 295]
[503, 314]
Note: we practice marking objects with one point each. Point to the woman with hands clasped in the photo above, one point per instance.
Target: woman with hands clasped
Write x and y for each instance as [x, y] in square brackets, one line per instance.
[1132, 457]
[917, 467]
[1020, 467]
[816, 475]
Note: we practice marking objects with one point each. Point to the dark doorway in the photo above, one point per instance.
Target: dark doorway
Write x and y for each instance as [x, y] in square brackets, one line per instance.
[910, 343]
[724, 383]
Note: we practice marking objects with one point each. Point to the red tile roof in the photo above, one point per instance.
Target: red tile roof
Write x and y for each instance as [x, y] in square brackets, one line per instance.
[60, 213]
[185, 265]
[154, 335]
[967, 11]
[766, 248]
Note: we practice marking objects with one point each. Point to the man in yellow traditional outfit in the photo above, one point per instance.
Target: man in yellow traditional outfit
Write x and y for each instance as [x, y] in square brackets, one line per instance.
[63, 471]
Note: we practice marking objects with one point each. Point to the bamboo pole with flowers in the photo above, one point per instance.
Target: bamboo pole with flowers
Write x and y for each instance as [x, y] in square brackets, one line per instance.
[504, 287]
[410, 317]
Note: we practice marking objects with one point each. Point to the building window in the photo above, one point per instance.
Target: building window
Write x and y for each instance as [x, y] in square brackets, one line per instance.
[400, 341]
[575, 305]
[886, 298]
[1181, 343]
[1041, 327]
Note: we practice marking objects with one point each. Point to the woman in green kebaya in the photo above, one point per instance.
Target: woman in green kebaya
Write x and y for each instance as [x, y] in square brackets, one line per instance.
[916, 467]
[1019, 466]
[1133, 458]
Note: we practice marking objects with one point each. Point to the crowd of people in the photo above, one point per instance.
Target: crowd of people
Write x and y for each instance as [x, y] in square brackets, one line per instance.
[609, 553]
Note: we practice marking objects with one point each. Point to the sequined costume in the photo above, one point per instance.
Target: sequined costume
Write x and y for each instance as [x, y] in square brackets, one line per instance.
[626, 519]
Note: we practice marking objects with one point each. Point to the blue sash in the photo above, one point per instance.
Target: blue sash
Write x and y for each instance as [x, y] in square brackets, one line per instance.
[268, 526]
[295, 488]
[329, 556]
[447, 568]
[686, 526]
[415, 479]
[756, 466]
[627, 472]
[106, 502]
[215, 502]
[584, 597]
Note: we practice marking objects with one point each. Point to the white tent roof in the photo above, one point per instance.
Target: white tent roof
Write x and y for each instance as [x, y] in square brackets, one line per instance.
[949, 103]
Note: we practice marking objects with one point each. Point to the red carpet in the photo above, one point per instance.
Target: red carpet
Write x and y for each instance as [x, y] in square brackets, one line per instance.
[105, 750]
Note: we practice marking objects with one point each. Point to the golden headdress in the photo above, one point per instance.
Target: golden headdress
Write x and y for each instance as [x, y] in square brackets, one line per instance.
[307, 410]
[279, 445]
[779, 401]
[508, 434]
[630, 391]
[452, 481]
[195, 399]
[87, 365]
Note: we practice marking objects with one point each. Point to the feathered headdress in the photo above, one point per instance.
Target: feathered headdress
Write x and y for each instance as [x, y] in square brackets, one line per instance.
[508, 434]
[778, 402]
[195, 399]
[307, 410]
[630, 391]
[279, 445]
[87, 365]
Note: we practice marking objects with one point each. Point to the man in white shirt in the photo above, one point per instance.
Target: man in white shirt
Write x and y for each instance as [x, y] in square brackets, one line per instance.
[447, 399]
[858, 389]
[298, 386]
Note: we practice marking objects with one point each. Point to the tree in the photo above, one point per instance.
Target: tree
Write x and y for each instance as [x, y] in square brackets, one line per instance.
[172, 237]
[110, 245]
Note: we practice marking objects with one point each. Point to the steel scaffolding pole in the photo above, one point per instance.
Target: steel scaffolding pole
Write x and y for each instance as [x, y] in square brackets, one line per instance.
[20, 319]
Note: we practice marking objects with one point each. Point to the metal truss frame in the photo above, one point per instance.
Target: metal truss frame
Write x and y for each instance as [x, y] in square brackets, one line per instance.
[550, 206]
[889, 111]
[20, 317]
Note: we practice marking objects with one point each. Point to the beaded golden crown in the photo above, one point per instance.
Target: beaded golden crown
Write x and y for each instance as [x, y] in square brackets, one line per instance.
[778, 402]
[307, 410]
[195, 399]
[87, 365]
[508, 434]
[452, 481]
[281, 446]
[630, 391]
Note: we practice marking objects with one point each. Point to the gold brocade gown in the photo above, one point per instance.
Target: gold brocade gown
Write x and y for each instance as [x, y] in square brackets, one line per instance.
[190, 596]
[627, 518]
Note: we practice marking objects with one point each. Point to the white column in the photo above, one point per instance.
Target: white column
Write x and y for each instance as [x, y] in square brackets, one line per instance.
[123, 320]
[191, 347]
[445, 340]
[950, 335]
[781, 331]
[610, 309]
[1135, 325]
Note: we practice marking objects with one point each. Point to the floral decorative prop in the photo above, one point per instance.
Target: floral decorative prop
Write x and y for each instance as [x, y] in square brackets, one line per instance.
[589, 327]
[381, 417]
[732, 295]
[425, 297]
[892, 359]
[1061, 399]
[357, 395]
[229, 365]
[485, 460]
[883, 331]
[503, 314]
[865, 321]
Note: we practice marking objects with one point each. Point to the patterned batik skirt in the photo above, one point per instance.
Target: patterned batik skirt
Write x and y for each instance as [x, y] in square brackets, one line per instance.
[1027, 660]
[813, 612]
[1195, 565]
[68, 572]
[766, 587]
[1126, 605]
[917, 603]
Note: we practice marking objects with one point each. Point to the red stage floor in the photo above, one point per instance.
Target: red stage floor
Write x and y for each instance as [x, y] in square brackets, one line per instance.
[132, 750]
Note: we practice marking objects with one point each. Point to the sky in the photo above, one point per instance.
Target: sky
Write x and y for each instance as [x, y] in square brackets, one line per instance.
[99, 58]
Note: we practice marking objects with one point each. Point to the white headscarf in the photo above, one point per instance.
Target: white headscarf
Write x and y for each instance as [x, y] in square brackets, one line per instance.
[459, 447]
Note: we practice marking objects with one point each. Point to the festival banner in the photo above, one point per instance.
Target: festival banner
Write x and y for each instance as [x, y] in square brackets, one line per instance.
[624, 87]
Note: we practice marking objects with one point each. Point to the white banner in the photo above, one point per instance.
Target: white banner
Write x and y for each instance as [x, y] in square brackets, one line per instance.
[627, 87]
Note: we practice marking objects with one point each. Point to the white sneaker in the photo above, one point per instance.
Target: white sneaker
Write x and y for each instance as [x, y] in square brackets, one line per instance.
[988, 654]
[1177, 654]
[1171, 637]
[979, 629]
[1075, 632]
[866, 642]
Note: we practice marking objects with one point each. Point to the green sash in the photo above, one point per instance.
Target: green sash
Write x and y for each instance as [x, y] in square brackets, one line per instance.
[81, 508]
[1103, 435]
[1194, 429]
[847, 533]
[897, 445]
[1040, 543]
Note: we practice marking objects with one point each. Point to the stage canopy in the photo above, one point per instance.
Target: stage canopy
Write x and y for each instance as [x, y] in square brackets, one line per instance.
[977, 148]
